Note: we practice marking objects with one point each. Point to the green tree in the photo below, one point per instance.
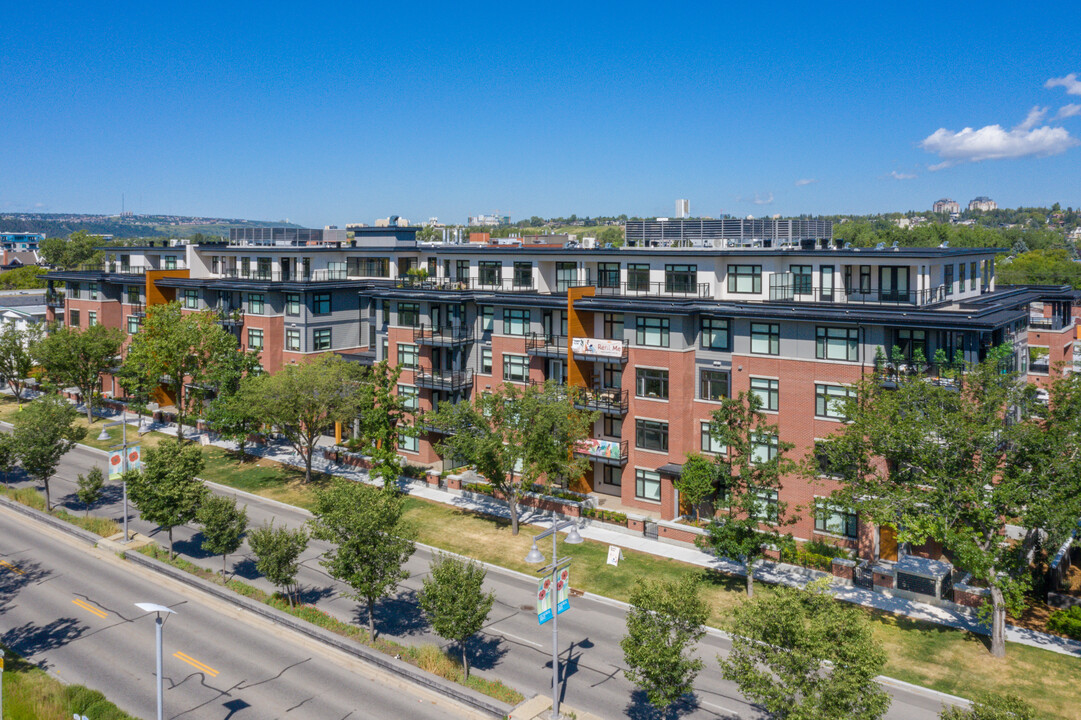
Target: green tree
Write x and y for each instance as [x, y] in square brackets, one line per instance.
[302, 401]
[23, 278]
[613, 235]
[135, 380]
[697, 481]
[78, 358]
[8, 454]
[89, 488]
[371, 540]
[665, 621]
[223, 526]
[454, 601]
[44, 431]
[780, 644]
[79, 248]
[167, 491]
[515, 437]
[187, 353]
[276, 555]
[17, 349]
[989, 706]
[235, 417]
[383, 414]
[751, 473]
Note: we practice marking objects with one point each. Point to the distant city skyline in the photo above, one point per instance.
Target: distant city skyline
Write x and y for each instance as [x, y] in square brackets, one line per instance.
[802, 110]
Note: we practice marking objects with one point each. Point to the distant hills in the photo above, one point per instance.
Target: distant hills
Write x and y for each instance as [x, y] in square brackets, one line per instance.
[126, 226]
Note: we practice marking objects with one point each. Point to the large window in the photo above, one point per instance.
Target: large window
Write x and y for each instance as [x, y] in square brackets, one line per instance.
[745, 279]
[133, 324]
[651, 383]
[407, 440]
[766, 506]
[523, 274]
[651, 435]
[292, 340]
[93, 291]
[566, 276]
[133, 295]
[608, 275]
[612, 475]
[832, 343]
[255, 339]
[170, 262]
[486, 361]
[652, 331]
[637, 277]
[321, 339]
[92, 318]
[680, 279]
[764, 448]
[256, 303]
[830, 400]
[73, 290]
[515, 368]
[767, 391]
[292, 304]
[802, 279]
[408, 356]
[833, 519]
[408, 314]
[908, 341]
[613, 326]
[191, 299]
[613, 426]
[73, 318]
[515, 321]
[947, 278]
[321, 304]
[865, 279]
[713, 385]
[410, 397]
[711, 444]
[487, 314]
[489, 273]
[766, 338]
[367, 267]
[714, 334]
[647, 485]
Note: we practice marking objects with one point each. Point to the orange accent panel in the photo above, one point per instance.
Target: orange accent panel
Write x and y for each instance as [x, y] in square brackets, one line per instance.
[160, 296]
[887, 543]
[579, 325]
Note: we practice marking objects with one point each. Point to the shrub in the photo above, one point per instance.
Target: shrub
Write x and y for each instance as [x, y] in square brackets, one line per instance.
[610, 516]
[801, 556]
[819, 547]
[1066, 622]
[482, 488]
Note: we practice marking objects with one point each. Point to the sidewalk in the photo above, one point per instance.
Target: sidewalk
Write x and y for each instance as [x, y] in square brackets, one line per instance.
[770, 572]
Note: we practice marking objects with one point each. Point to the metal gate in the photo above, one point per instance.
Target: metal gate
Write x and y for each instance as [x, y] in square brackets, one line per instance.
[863, 576]
[650, 530]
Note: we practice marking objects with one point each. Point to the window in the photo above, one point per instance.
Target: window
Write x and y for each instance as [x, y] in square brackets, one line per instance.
[292, 304]
[191, 299]
[680, 279]
[73, 318]
[961, 277]
[745, 279]
[170, 262]
[133, 324]
[637, 276]
[93, 318]
[215, 264]
[612, 475]
[651, 383]
[802, 279]
[408, 314]
[489, 273]
[613, 326]
[714, 334]
[651, 435]
[973, 274]
[652, 331]
[612, 377]
[245, 267]
[486, 361]
[713, 384]
[613, 427]
[825, 464]
[566, 276]
[292, 340]
[766, 506]
[408, 357]
[764, 448]
[73, 290]
[947, 278]
[826, 272]
[367, 267]
[515, 321]
[832, 343]
[262, 268]
[133, 295]
[865, 279]
[767, 392]
[833, 519]
[608, 275]
[407, 440]
[647, 485]
[711, 444]
[766, 338]
[515, 368]
[321, 304]
[255, 339]
[908, 342]
[385, 345]
[321, 339]
[256, 304]
[830, 400]
[523, 274]
[486, 314]
[893, 284]
[93, 291]
[410, 397]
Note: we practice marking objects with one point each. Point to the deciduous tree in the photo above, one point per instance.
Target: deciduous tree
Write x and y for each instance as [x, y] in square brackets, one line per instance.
[17, 349]
[454, 601]
[77, 358]
[989, 706]
[383, 415]
[167, 491]
[235, 417]
[223, 526]
[44, 431]
[697, 481]
[79, 248]
[89, 488]
[276, 553]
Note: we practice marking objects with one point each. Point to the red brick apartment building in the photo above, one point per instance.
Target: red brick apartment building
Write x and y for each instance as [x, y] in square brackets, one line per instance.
[655, 333]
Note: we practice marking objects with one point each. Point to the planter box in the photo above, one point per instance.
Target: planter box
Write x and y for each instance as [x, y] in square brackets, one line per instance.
[843, 569]
[968, 596]
[882, 578]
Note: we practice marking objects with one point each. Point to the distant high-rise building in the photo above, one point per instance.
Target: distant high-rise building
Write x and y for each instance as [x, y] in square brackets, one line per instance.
[493, 220]
[683, 208]
[983, 204]
[946, 205]
[392, 221]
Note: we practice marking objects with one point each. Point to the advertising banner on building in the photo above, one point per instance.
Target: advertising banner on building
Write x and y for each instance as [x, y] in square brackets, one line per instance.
[597, 346]
[599, 448]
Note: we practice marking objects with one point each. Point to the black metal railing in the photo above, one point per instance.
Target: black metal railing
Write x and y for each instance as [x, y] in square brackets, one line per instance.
[442, 335]
[798, 292]
[444, 379]
[230, 317]
[54, 299]
[466, 284]
[603, 453]
[610, 401]
[656, 289]
[321, 275]
[1048, 323]
[546, 345]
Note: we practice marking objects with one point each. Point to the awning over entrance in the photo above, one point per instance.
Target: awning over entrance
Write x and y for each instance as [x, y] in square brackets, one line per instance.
[671, 469]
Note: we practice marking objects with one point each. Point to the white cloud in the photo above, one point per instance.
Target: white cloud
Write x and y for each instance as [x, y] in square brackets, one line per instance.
[1067, 111]
[805, 181]
[760, 199]
[1035, 115]
[993, 142]
[901, 176]
[1070, 82]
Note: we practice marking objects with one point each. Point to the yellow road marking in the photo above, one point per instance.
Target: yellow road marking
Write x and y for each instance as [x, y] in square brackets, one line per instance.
[11, 567]
[195, 663]
[91, 609]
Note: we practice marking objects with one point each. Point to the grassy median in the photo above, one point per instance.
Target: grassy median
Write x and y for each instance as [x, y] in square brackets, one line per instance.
[32, 694]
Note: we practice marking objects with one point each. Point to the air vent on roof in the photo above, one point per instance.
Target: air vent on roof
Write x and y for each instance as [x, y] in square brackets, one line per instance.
[880, 246]
[894, 246]
[945, 244]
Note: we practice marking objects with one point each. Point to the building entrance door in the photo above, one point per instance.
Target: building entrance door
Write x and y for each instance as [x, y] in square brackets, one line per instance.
[887, 543]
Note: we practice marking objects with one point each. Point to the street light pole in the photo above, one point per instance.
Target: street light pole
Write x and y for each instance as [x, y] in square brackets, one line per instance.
[1, 683]
[104, 436]
[159, 623]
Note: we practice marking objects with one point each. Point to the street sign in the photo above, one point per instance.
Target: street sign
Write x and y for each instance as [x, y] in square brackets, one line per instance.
[615, 554]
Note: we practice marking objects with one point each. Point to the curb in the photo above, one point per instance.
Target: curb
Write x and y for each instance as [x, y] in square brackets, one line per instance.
[53, 522]
[896, 684]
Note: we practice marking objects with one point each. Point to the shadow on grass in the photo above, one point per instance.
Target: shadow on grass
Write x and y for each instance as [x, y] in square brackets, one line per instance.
[926, 638]
[398, 616]
[714, 578]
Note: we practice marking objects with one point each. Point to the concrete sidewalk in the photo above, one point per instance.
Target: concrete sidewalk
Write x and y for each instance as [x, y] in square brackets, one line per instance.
[770, 572]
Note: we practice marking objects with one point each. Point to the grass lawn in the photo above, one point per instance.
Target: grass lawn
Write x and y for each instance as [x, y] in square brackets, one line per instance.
[262, 477]
[32, 694]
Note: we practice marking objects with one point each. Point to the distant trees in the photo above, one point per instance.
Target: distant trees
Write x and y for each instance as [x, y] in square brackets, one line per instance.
[167, 491]
[78, 358]
[44, 431]
[18, 347]
[1041, 267]
[69, 253]
[23, 278]
[277, 550]
[454, 601]
[223, 524]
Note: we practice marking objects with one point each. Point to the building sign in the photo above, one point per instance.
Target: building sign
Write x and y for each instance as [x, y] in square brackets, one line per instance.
[615, 554]
[553, 588]
[599, 448]
[597, 346]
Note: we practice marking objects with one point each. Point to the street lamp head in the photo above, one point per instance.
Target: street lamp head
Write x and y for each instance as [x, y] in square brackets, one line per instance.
[573, 538]
[534, 557]
[104, 436]
[154, 607]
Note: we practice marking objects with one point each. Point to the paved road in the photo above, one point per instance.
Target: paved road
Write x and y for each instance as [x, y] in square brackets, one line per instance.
[513, 647]
[71, 610]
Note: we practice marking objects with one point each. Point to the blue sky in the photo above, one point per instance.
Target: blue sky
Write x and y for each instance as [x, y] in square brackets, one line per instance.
[336, 114]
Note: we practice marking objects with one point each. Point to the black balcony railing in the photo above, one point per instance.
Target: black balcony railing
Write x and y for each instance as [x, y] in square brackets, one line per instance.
[610, 401]
[546, 345]
[656, 289]
[442, 335]
[609, 452]
[1047, 323]
[800, 292]
[448, 380]
[467, 284]
[230, 318]
[321, 275]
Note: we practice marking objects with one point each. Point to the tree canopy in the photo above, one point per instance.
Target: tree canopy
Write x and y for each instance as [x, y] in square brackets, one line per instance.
[44, 432]
[18, 347]
[78, 358]
[167, 491]
[454, 601]
[69, 253]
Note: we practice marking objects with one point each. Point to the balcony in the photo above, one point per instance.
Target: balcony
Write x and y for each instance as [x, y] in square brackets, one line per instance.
[1048, 323]
[607, 452]
[136, 309]
[442, 336]
[801, 292]
[321, 275]
[656, 289]
[600, 350]
[466, 284]
[610, 401]
[230, 318]
[446, 380]
[54, 299]
[550, 346]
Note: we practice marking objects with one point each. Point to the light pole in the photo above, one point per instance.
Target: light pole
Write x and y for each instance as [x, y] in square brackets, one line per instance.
[1, 683]
[104, 437]
[158, 624]
[534, 557]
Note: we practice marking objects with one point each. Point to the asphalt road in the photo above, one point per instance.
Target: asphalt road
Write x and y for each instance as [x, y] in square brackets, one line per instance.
[512, 647]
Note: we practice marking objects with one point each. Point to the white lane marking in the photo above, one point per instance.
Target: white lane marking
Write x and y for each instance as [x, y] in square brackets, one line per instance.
[718, 707]
[519, 639]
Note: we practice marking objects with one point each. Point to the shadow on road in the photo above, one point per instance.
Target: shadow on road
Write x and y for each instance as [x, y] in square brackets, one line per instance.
[30, 638]
[640, 709]
[485, 651]
[14, 580]
[398, 616]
